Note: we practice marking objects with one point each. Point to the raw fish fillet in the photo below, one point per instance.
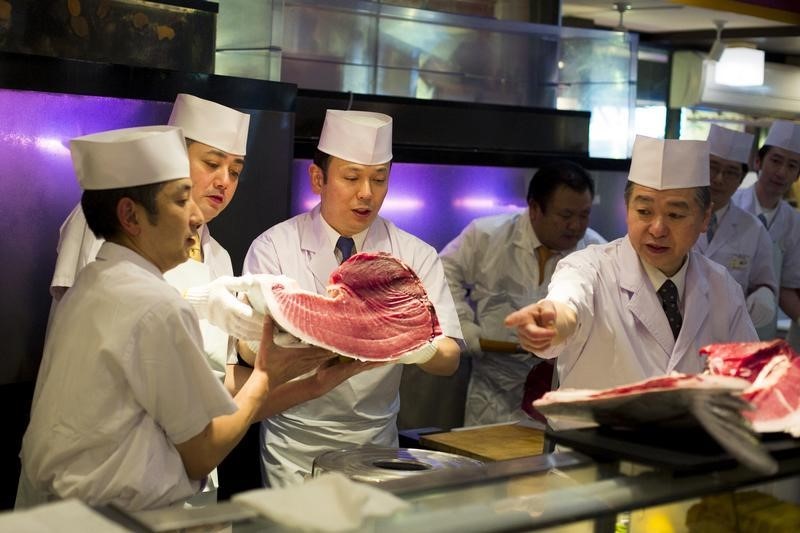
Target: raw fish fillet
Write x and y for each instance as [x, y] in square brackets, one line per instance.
[376, 310]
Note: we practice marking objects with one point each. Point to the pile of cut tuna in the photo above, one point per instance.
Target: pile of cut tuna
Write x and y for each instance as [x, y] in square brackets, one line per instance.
[376, 309]
[765, 374]
[747, 388]
[773, 371]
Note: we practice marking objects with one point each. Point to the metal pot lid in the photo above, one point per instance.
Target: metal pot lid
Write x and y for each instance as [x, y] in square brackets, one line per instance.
[374, 464]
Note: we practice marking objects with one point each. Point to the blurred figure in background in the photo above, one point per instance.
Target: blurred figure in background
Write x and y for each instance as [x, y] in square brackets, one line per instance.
[501, 263]
[778, 167]
[736, 239]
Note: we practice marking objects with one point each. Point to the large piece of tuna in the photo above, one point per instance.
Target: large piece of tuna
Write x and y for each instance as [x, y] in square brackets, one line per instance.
[376, 310]
[673, 402]
[773, 370]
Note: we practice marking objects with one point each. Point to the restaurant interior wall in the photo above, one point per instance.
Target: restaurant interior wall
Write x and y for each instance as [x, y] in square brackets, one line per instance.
[375, 48]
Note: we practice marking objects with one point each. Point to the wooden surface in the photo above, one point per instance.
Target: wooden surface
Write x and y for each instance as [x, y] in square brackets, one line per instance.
[490, 443]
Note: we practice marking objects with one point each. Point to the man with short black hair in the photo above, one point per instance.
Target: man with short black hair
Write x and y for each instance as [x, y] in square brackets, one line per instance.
[499, 264]
[736, 239]
[778, 167]
[126, 410]
[351, 175]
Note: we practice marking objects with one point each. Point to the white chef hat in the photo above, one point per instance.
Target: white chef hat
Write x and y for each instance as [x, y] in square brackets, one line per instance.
[358, 136]
[129, 157]
[211, 123]
[729, 144]
[668, 163]
[784, 134]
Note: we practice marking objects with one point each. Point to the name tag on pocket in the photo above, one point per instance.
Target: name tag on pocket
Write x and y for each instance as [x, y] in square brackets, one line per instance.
[739, 262]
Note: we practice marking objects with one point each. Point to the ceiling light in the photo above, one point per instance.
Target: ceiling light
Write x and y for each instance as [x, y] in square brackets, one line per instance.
[740, 66]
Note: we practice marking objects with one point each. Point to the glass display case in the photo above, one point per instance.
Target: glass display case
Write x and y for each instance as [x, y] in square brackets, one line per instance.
[553, 492]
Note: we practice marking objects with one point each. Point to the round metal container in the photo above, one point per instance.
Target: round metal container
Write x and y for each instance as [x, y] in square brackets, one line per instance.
[374, 464]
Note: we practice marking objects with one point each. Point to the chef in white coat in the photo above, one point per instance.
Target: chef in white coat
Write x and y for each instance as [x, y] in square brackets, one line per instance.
[216, 138]
[736, 239]
[778, 167]
[126, 410]
[351, 174]
[502, 263]
[644, 304]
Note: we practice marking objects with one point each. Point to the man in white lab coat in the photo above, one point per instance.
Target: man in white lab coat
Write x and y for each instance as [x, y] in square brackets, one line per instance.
[351, 174]
[644, 304]
[216, 138]
[126, 410]
[502, 263]
[778, 167]
[217, 143]
[736, 239]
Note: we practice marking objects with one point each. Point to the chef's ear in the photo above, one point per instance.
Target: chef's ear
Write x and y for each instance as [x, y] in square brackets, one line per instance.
[127, 216]
[317, 176]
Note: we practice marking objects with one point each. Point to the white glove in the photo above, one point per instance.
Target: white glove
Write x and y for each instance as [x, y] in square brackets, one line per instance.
[421, 355]
[761, 306]
[217, 303]
[472, 337]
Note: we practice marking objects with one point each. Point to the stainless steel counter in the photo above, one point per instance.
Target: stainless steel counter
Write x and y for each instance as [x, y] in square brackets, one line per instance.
[518, 495]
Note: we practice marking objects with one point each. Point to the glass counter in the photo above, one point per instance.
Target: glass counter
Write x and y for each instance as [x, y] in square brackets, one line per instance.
[565, 491]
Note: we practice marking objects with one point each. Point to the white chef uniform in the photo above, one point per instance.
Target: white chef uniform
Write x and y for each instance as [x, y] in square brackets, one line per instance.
[123, 377]
[363, 409]
[783, 222]
[622, 333]
[742, 245]
[209, 123]
[492, 271]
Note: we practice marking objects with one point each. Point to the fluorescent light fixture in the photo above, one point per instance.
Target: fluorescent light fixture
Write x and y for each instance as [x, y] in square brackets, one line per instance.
[740, 67]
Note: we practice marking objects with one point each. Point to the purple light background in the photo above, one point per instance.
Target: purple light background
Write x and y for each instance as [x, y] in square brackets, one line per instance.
[39, 189]
[436, 202]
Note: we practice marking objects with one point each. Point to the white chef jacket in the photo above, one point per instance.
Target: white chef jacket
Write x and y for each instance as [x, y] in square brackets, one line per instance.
[742, 245]
[362, 410]
[492, 271]
[622, 334]
[784, 231]
[78, 246]
[122, 379]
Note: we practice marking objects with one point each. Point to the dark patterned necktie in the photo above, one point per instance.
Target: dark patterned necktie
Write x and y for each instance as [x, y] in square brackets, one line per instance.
[763, 220]
[669, 301]
[712, 227]
[346, 245]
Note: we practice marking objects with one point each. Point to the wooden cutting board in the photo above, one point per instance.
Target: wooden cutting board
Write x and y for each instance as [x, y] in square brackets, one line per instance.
[489, 443]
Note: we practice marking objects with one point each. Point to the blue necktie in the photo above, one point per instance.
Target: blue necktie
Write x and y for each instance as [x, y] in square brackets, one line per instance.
[346, 245]
[669, 301]
[763, 220]
[712, 227]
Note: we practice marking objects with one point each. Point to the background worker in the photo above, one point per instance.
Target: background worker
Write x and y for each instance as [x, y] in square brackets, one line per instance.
[778, 167]
[735, 239]
[499, 264]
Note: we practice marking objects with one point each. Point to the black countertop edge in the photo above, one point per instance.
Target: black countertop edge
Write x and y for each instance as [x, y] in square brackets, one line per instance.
[304, 149]
[345, 97]
[50, 74]
[200, 5]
